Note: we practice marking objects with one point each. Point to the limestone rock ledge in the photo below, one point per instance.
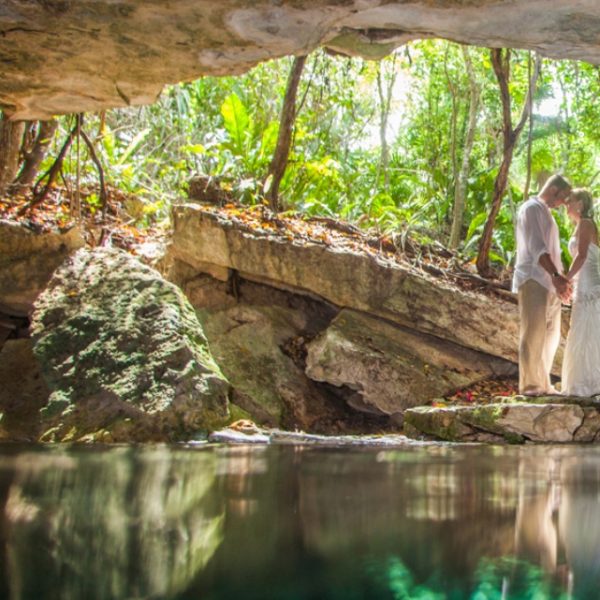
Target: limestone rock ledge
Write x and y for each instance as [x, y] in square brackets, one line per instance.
[63, 57]
[27, 261]
[207, 242]
[548, 419]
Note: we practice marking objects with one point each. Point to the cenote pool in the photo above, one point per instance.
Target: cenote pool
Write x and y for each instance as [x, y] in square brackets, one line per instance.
[431, 522]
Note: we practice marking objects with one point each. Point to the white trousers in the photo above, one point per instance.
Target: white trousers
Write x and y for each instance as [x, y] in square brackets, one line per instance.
[539, 311]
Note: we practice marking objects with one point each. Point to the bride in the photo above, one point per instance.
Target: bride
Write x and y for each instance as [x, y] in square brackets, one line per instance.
[581, 362]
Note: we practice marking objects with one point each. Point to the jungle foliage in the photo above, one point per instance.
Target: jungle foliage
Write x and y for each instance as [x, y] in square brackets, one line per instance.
[388, 145]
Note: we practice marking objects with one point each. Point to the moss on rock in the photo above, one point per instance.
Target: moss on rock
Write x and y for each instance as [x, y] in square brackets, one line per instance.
[123, 352]
[512, 422]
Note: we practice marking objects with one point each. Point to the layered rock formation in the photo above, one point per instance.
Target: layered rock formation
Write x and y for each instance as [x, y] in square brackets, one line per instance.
[393, 368]
[65, 57]
[388, 336]
[210, 243]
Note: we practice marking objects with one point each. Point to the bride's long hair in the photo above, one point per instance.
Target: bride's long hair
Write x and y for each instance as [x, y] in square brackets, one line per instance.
[587, 202]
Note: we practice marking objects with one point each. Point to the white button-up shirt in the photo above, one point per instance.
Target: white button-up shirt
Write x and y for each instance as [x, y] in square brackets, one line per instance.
[537, 234]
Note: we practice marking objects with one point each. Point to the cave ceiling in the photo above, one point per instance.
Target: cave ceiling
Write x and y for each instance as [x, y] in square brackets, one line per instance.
[65, 56]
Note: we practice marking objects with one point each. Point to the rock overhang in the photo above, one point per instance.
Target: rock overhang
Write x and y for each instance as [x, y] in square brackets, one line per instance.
[64, 56]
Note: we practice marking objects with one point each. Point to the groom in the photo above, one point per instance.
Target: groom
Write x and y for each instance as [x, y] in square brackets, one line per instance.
[539, 281]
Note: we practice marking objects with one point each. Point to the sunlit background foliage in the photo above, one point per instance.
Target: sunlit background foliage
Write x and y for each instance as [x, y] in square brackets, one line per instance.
[226, 128]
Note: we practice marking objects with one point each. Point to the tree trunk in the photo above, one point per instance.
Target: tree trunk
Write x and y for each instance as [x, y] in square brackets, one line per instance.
[501, 64]
[39, 195]
[385, 102]
[286, 126]
[529, 138]
[11, 135]
[35, 156]
[460, 189]
[453, 123]
[564, 126]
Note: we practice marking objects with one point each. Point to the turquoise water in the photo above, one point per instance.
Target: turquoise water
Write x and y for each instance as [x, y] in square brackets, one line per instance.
[213, 522]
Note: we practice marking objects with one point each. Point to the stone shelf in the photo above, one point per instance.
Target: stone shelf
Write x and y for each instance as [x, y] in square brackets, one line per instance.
[514, 420]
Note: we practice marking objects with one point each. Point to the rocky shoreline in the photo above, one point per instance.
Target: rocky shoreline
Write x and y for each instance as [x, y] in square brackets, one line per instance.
[306, 329]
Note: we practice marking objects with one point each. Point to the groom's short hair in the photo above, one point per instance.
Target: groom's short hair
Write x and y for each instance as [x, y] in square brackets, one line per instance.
[558, 181]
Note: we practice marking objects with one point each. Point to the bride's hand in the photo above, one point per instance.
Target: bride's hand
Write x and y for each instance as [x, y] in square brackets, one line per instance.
[567, 295]
[562, 286]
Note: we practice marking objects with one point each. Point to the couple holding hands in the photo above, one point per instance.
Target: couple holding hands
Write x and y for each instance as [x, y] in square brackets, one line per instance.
[542, 284]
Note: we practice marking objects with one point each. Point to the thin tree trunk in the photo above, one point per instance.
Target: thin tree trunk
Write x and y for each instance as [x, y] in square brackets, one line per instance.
[96, 161]
[460, 190]
[453, 120]
[513, 215]
[564, 128]
[284, 139]
[35, 156]
[529, 137]
[11, 136]
[76, 198]
[51, 174]
[385, 102]
[501, 64]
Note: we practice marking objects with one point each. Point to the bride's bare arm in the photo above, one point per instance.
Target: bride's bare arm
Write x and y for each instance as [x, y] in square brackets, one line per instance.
[586, 233]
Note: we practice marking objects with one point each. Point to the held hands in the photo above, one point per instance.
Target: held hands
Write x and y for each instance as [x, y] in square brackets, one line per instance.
[563, 287]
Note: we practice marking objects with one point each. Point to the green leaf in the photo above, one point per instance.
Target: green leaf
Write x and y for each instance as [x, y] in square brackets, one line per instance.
[269, 139]
[497, 258]
[476, 222]
[237, 122]
[193, 149]
[135, 142]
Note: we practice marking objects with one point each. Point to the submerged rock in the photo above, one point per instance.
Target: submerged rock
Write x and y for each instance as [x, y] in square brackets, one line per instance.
[124, 354]
[116, 524]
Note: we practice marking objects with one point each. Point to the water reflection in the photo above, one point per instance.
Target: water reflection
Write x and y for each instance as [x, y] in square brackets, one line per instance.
[430, 522]
[116, 524]
[579, 525]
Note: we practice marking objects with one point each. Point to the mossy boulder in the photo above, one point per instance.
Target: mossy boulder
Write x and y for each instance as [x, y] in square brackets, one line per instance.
[123, 354]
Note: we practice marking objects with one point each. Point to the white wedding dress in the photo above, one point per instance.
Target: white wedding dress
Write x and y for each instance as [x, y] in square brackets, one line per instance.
[581, 361]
